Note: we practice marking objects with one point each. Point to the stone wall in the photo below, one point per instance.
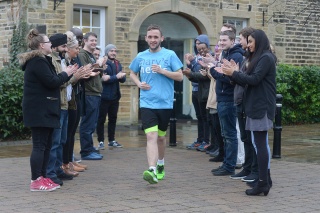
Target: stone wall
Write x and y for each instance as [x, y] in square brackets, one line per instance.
[294, 41]
[8, 15]
[296, 30]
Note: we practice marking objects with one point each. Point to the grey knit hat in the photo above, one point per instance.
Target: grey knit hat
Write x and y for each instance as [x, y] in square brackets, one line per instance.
[108, 48]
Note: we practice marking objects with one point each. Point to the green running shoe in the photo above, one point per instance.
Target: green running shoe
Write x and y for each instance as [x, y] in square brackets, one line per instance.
[160, 172]
[149, 176]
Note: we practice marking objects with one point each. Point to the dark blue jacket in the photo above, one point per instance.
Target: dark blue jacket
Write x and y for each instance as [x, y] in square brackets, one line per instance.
[224, 85]
[194, 66]
[111, 88]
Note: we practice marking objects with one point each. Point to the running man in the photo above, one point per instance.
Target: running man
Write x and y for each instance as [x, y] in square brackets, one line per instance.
[158, 68]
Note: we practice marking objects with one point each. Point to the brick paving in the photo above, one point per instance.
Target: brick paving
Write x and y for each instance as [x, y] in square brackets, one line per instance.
[115, 184]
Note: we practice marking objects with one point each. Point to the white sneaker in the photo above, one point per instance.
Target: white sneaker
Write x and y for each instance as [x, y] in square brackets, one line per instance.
[101, 145]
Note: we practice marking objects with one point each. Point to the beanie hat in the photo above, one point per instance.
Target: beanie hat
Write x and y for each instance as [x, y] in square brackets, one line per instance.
[108, 48]
[58, 39]
[203, 39]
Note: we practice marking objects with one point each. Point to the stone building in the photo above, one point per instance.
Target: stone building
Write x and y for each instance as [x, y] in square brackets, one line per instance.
[292, 29]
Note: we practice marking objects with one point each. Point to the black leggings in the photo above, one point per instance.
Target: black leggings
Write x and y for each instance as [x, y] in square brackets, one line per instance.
[41, 146]
[260, 140]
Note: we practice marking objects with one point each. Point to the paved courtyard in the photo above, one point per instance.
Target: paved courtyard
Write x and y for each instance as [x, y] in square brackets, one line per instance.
[115, 183]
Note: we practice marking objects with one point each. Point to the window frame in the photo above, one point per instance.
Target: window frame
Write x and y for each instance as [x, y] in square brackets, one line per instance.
[102, 13]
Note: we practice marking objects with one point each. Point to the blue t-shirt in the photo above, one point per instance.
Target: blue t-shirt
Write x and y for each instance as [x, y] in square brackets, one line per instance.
[160, 95]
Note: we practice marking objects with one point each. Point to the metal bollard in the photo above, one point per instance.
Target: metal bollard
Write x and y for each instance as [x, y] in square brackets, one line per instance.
[277, 128]
[173, 128]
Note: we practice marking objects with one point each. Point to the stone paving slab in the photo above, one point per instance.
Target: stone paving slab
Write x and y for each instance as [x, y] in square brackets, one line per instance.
[115, 184]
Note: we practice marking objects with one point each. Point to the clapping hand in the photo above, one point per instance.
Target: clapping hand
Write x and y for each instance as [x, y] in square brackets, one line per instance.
[188, 58]
[228, 67]
[186, 72]
[121, 75]
[71, 69]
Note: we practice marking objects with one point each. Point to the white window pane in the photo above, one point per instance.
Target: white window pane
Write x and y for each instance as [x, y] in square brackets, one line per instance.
[95, 18]
[76, 16]
[86, 17]
[97, 32]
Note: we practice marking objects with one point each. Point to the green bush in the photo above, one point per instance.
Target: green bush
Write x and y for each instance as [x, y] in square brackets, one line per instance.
[299, 87]
[11, 92]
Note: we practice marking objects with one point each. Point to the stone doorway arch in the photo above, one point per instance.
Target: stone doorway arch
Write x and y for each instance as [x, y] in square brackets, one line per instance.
[201, 22]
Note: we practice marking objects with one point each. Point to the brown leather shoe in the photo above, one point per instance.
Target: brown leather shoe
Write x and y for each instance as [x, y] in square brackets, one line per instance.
[66, 169]
[76, 168]
[80, 165]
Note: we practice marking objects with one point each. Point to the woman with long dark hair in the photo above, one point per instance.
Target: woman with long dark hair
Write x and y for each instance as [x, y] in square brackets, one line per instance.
[259, 101]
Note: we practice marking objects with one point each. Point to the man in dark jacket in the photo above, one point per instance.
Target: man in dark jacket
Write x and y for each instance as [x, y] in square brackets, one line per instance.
[110, 98]
[199, 100]
[93, 89]
[226, 108]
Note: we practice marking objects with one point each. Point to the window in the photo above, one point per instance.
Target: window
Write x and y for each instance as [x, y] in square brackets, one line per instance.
[91, 19]
[238, 23]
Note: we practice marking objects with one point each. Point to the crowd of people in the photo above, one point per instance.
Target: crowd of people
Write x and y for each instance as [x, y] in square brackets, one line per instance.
[234, 93]
[67, 84]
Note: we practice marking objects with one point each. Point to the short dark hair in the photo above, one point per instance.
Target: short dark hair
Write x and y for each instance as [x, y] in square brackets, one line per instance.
[229, 33]
[233, 28]
[245, 32]
[154, 27]
[87, 35]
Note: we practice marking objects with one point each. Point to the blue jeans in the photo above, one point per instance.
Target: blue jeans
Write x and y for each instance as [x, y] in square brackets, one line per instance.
[227, 116]
[59, 138]
[88, 124]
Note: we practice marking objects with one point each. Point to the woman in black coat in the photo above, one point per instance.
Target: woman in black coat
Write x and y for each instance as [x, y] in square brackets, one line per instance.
[41, 104]
[259, 101]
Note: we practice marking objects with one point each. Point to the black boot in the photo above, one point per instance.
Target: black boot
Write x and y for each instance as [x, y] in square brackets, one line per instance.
[261, 187]
[253, 184]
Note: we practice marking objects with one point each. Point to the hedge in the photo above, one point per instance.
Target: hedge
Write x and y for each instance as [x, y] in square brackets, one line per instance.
[300, 89]
[11, 92]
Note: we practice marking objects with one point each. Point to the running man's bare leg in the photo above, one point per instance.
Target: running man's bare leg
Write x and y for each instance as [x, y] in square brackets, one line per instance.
[161, 147]
[152, 148]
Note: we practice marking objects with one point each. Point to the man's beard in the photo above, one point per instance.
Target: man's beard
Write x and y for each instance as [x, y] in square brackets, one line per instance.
[62, 54]
[111, 58]
[153, 49]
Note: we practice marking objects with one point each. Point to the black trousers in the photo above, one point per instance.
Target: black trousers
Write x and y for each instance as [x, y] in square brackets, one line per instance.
[215, 131]
[110, 109]
[41, 146]
[73, 122]
[201, 114]
[250, 161]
